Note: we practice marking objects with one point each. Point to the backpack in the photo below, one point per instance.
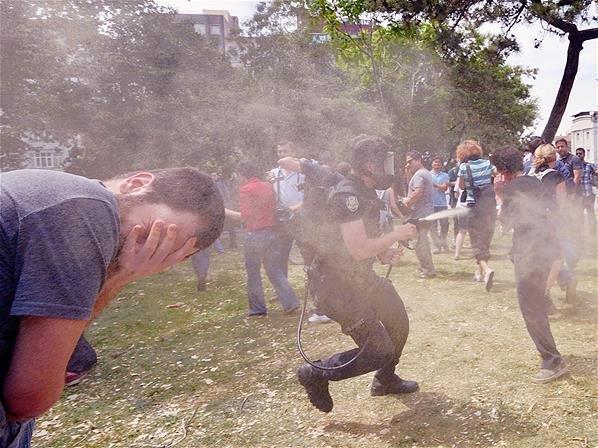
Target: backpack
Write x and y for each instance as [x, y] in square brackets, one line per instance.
[483, 195]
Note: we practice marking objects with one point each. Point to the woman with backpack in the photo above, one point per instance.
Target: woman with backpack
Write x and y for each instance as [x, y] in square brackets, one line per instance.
[475, 177]
[544, 169]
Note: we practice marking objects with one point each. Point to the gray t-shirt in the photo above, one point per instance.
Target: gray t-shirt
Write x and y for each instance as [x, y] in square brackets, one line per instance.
[58, 234]
[425, 206]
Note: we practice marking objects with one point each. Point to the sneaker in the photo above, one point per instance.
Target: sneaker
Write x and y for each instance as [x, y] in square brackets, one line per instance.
[571, 290]
[427, 275]
[316, 387]
[477, 276]
[74, 378]
[488, 279]
[548, 375]
[201, 285]
[319, 319]
[397, 386]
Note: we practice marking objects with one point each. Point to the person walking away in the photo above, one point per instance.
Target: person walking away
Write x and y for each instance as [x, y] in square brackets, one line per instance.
[544, 169]
[475, 177]
[525, 208]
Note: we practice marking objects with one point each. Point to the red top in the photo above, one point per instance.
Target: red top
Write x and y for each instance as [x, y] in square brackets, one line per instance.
[256, 203]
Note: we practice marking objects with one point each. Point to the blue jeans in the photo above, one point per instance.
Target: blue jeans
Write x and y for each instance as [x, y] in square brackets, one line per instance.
[439, 237]
[263, 247]
[17, 435]
[201, 263]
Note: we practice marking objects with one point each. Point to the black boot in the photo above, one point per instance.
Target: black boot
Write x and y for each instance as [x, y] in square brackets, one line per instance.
[394, 386]
[316, 387]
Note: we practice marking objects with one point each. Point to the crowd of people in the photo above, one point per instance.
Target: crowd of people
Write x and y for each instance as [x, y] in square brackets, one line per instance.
[69, 244]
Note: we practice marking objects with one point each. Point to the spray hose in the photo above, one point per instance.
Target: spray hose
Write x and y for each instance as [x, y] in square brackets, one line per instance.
[300, 328]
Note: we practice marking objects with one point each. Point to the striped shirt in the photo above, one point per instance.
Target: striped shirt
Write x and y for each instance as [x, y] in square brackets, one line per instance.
[481, 171]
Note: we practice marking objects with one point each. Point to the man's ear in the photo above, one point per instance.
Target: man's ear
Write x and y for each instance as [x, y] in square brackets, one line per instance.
[137, 183]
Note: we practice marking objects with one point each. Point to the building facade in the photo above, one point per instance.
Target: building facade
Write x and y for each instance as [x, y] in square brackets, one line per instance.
[584, 134]
[215, 24]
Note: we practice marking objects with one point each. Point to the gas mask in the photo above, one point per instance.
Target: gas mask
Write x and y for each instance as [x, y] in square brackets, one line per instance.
[384, 171]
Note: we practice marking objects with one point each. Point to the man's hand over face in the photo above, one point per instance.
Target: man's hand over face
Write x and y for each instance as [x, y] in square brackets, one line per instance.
[156, 254]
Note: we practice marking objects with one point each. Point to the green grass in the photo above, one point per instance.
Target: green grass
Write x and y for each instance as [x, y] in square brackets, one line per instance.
[230, 380]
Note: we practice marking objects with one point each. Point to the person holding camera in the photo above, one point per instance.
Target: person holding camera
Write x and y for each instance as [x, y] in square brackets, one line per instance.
[262, 241]
[289, 196]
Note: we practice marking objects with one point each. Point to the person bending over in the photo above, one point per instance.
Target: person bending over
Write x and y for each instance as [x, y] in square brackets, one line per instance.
[67, 246]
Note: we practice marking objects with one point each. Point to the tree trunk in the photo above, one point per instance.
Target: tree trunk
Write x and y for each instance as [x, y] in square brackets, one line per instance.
[562, 96]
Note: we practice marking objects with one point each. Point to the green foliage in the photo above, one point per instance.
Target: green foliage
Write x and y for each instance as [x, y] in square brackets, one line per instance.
[431, 76]
[138, 89]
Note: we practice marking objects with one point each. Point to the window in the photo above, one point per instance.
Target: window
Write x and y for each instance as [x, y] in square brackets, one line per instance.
[46, 160]
[200, 28]
[215, 30]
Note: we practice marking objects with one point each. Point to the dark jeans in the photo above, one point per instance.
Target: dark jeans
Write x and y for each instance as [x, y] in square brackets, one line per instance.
[481, 229]
[16, 435]
[439, 230]
[285, 243]
[423, 250]
[371, 311]
[262, 247]
[530, 277]
[84, 357]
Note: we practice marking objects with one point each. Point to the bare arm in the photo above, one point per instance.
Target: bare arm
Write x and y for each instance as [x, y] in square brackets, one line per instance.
[561, 195]
[290, 164]
[361, 247]
[232, 214]
[35, 377]
[393, 203]
[414, 197]
[577, 178]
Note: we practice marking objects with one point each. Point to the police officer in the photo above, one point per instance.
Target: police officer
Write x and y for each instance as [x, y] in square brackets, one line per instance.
[365, 305]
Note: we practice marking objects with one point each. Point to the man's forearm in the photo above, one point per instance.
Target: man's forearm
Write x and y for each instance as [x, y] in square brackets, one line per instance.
[114, 283]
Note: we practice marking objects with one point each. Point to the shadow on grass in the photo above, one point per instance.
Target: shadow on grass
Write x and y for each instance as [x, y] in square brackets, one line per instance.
[583, 311]
[433, 419]
[586, 366]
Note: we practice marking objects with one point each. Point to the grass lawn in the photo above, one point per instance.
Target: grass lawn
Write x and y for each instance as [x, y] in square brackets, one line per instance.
[203, 374]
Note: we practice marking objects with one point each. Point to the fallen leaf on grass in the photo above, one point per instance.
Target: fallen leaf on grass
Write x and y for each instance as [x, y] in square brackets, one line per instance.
[176, 305]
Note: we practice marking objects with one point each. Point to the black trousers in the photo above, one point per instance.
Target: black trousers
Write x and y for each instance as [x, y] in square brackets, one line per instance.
[370, 311]
[83, 358]
[481, 223]
[530, 277]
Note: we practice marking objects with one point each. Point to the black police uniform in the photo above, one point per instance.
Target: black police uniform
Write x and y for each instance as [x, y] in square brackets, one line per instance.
[365, 305]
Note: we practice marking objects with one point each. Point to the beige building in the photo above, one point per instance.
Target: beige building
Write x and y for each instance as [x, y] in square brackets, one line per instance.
[218, 25]
[584, 134]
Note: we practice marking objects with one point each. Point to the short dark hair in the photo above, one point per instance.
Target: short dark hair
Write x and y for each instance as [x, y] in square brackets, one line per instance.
[561, 140]
[367, 148]
[437, 157]
[507, 158]
[580, 149]
[534, 142]
[249, 169]
[188, 190]
[414, 155]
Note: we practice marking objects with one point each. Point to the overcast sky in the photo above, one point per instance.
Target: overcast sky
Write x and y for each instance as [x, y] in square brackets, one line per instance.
[549, 59]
